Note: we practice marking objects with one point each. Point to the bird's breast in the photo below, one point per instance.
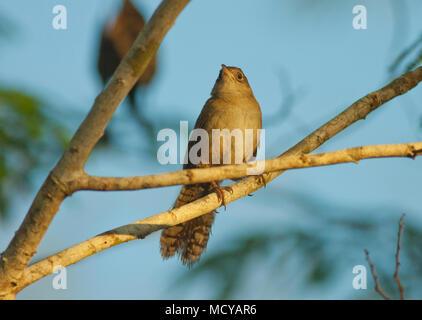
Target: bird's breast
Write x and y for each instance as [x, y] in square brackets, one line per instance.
[232, 129]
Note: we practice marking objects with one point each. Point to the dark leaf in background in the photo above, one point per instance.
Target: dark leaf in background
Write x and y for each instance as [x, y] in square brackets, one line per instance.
[30, 136]
[7, 28]
[411, 57]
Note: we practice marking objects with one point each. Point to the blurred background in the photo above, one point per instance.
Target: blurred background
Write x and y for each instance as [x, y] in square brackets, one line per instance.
[301, 236]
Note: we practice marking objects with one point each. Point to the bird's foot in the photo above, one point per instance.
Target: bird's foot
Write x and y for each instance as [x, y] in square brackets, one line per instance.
[220, 192]
[261, 180]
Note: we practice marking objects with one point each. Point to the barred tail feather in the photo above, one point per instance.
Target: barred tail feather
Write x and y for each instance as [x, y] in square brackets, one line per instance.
[188, 239]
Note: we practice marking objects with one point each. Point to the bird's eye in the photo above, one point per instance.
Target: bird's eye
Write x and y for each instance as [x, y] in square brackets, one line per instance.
[239, 76]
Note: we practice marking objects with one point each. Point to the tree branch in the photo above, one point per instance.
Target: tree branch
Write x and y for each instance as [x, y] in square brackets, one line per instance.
[191, 176]
[139, 229]
[71, 166]
[376, 279]
[396, 272]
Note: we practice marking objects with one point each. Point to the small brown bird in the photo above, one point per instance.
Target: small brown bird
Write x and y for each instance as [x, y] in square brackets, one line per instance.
[232, 106]
[117, 37]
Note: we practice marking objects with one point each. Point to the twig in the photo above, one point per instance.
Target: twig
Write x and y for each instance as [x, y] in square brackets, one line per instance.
[23, 245]
[374, 274]
[396, 273]
[191, 176]
[415, 153]
[357, 111]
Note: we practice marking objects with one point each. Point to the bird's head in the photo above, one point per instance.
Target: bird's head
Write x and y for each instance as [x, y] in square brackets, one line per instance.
[231, 81]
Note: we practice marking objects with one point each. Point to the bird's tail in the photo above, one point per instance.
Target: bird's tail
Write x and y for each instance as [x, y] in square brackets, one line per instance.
[188, 239]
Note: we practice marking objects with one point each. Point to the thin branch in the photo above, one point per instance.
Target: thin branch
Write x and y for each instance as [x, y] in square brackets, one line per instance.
[374, 274]
[191, 176]
[70, 167]
[139, 229]
[396, 273]
[358, 111]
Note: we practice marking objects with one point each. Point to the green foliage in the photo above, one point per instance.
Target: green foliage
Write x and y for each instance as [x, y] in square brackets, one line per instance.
[29, 136]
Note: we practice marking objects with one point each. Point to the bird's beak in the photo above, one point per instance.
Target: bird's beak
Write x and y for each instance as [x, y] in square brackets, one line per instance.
[226, 71]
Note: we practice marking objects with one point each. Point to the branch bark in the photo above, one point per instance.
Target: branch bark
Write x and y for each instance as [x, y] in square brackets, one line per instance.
[191, 176]
[139, 229]
[375, 276]
[398, 263]
[396, 272]
[63, 178]
[70, 167]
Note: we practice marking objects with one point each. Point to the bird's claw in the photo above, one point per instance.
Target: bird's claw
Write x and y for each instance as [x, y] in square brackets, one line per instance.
[220, 192]
[261, 180]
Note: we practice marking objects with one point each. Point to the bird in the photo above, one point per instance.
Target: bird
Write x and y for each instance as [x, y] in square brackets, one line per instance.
[118, 35]
[232, 105]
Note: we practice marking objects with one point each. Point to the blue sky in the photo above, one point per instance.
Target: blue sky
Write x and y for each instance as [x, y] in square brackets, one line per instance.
[312, 44]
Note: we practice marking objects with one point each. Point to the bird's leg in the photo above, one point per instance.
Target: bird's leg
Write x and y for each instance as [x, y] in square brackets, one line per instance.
[261, 180]
[220, 192]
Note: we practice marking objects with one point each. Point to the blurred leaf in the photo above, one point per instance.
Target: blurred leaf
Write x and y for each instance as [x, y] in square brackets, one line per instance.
[8, 29]
[413, 55]
[29, 136]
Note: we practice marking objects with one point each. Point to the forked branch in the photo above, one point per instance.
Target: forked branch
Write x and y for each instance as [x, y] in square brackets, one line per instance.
[396, 272]
[139, 229]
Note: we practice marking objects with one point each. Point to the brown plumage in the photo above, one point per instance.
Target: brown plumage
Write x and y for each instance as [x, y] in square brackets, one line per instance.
[117, 37]
[232, 106]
